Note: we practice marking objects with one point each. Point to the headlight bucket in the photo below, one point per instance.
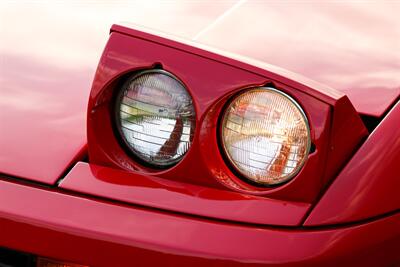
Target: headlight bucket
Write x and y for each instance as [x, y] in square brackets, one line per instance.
[212, 79]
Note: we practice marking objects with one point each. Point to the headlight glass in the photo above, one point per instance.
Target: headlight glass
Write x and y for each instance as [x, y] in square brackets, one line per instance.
[156, 117]
[265, 135]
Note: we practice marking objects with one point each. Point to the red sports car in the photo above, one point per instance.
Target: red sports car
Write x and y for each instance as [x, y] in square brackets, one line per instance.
[185, 148]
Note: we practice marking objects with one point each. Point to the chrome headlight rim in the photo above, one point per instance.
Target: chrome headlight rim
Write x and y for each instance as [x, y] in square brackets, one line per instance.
[120, 137]
[230, 161]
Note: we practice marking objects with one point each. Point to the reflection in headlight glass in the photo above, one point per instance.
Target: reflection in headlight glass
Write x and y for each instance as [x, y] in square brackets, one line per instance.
[265, 135]
[157, 118]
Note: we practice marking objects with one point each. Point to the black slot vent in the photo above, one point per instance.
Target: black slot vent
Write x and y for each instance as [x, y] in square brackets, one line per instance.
[370, 122]
[12, 258]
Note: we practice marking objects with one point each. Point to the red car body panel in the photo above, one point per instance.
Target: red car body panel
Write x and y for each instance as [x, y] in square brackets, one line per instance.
[99, 218]
[368, 185]
[42, 118]
[99, 233]
[181, 197]
[354, 58]
[351, 47]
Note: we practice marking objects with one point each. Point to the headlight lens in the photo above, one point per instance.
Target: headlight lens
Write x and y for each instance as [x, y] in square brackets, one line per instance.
[265, 135]
[156, 117]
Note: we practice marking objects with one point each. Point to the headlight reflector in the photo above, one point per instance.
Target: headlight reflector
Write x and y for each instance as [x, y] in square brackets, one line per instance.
[156, 117]
[265, 135]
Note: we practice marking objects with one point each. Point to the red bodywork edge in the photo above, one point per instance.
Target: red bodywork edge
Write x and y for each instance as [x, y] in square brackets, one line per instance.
[99, 233]
[369, 184]
[191, 199]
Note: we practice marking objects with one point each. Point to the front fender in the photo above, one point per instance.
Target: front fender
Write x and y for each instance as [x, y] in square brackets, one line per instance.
[369, 184]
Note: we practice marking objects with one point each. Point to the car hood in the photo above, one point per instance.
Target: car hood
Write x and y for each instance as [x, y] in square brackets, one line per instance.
[347, 46]
[48, 60]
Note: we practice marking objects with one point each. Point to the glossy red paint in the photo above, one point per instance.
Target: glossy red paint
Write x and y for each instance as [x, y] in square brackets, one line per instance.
[47, 67]
[42, 118]
[350, 46]
[164, 194]
[368, 185]
[44, 89]
[211, 80]
[373, 101]
[100, 233]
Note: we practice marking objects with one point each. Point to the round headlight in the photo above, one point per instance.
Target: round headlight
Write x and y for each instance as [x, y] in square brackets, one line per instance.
[156, 117]
[265, 135]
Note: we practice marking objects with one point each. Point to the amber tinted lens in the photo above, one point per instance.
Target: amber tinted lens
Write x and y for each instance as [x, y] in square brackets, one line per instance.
[157, 118]
[44, 262]
[266, 135]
